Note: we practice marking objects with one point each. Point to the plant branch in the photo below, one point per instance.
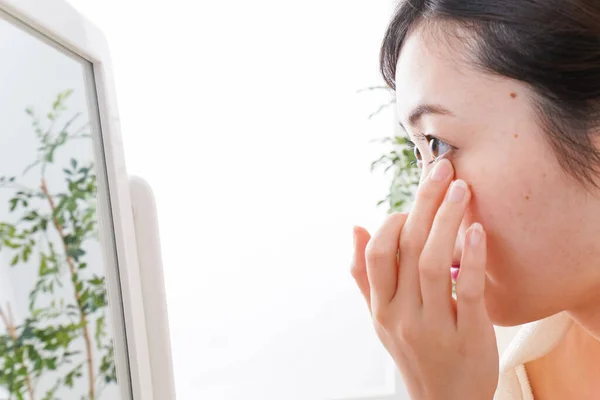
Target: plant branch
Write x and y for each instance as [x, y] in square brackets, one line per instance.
[381, 108]
[371, 88]
[12, 332]
[71, 264]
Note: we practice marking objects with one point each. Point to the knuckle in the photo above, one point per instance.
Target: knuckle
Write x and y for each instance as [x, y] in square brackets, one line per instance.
[445, 213]
[429, 268]
[395, 215]
[397, 218]
[430, 273]
[408, 333]
[409, 242]
[375, 253]
[469, 295]
[381, 318]
[463, 348]
[446, 216]
[427, 191]
[355, 271]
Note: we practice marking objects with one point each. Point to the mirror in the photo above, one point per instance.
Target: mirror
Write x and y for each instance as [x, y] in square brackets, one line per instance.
[60, 336]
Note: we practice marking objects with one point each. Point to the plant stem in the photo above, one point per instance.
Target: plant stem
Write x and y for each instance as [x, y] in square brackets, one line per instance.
[83, 318]
[12, 331]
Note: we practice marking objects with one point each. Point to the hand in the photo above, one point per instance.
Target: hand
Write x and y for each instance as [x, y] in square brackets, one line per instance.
[445, 348]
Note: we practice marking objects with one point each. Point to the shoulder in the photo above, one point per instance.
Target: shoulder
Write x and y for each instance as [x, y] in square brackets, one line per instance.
[535, 340]
[532, 341]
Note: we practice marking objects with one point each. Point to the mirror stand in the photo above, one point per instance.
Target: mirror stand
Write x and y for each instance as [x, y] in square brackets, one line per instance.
[145, 220]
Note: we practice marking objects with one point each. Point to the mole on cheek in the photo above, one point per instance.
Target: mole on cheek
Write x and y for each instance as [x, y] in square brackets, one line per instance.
[526, 197]
[513, 95]
[516, 135]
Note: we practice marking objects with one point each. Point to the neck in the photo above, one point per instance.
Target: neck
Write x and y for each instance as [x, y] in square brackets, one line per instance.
[588, 319]
[570, 370]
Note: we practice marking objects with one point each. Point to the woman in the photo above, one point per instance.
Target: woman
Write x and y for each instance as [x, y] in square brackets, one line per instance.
[502, 101]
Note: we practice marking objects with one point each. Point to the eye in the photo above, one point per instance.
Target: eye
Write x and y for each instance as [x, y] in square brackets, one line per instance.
[437, 147]
[418, 157]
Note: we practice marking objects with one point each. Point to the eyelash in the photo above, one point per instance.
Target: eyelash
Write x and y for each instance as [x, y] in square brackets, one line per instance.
[428, 138]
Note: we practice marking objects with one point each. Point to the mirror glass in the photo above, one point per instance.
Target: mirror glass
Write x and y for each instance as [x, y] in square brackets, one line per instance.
[57, 336]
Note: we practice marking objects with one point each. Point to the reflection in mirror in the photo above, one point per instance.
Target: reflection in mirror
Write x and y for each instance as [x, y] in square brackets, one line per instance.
[56, 338]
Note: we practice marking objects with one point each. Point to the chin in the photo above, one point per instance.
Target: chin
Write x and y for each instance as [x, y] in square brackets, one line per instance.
[506, 320]
[506, 309]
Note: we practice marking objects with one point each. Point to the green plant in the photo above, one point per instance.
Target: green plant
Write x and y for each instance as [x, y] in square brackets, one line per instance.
[400, 160]
[64, 336]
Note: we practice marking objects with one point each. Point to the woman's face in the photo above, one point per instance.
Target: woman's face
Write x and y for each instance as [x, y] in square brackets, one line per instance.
[543, 228]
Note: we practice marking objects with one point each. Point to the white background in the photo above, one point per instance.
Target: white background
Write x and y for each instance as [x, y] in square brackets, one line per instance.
[244, 117]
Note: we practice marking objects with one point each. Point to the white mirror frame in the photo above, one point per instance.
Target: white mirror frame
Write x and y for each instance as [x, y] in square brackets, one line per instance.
[61, 24]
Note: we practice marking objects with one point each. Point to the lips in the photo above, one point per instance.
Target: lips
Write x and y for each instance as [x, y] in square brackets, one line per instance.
[454, 270]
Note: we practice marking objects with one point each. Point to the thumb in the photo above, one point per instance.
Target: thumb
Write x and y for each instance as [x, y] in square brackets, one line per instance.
[359, 263]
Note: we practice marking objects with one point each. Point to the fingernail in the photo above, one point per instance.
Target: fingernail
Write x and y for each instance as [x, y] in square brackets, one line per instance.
[457, 191]
[476, 234]
[441, 170]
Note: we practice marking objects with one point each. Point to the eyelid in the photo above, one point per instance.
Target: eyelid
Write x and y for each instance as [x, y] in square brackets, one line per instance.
[427, 138]
[421, 136]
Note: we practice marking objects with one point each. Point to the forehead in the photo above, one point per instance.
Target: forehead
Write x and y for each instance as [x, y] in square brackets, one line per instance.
[435, 69]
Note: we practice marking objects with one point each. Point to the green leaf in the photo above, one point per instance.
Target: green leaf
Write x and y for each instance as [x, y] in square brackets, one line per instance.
[10, 244]
[13, 204]
[38, 365]
[26, 253]
[14, 260]
[51, 363]
[50, 154]
[100, 326]
[96, 281]
[69, 239]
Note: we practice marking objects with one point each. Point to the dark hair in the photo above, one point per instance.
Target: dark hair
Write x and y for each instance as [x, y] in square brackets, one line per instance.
[553, 46]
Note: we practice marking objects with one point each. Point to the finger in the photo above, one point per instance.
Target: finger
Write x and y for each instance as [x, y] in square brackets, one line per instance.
[470, 285]
[436, 259]
[359, 265]
[382, 261]
[428, 198]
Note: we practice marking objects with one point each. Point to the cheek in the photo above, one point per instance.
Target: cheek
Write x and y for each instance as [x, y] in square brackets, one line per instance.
[510, 185]
[520, 213]
[507, 204]
[508, 200]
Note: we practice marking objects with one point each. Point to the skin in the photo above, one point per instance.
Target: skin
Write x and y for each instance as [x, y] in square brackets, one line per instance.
[550, 379]
[542, 247]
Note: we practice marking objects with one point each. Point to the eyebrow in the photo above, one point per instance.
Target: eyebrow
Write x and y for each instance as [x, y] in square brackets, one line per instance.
[423, 109]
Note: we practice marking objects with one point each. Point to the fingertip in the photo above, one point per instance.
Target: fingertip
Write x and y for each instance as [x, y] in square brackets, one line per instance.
[476, 235]
[361, 234]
